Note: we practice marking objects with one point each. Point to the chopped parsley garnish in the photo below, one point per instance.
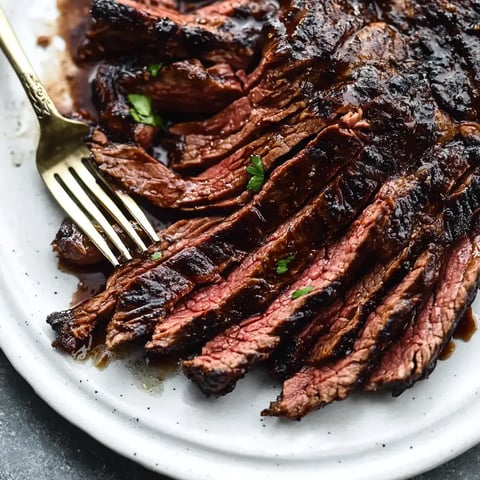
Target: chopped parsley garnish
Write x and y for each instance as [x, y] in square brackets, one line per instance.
[142, 110]
[301, 292]
[154, 68]
[257, 173]
[156, 256]
[284, 263]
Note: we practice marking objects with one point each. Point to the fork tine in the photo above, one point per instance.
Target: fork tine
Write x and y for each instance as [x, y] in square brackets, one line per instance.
[91, 183]
[137, 213]
[64, 175]
[79, 217]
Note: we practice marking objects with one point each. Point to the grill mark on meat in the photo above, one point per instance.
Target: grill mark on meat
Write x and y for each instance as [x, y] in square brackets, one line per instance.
[177, 87]
[461, 23]
[290, 183]
[75, 326]
[438, 32]
[394, 72]
[225, 32]
[315, 387]
[331, 270]
[414, 355]
[143, 175]
[299, 235]
[335, 327]
[449, 79]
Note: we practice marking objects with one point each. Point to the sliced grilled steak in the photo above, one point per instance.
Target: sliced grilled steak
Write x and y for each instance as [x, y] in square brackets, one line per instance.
[228, 31]
[336, 325]
[385, 226]
[244, 122]
[331, 338]
[314, 388]
[185, 86]
[415, 354]
[221, 186]
[75, 326]
[224, 359]
[290, 184]
[345, 102]
[256, 282]
[274, 99]
[289, 187]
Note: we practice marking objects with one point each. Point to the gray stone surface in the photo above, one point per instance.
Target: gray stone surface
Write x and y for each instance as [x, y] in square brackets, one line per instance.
[38, 444]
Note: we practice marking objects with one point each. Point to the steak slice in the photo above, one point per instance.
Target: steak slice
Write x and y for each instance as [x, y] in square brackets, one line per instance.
[228, 31]
[185, 87]
[221, 186]
[412, 114]
[321, 160]
[278, 96]
[256, 282]
[72, 247]
[335, 326]
[290, 185]
[385, 227]
[75, 326]
[229, 356]
[243, 123]
[414, 356]
[315, 387]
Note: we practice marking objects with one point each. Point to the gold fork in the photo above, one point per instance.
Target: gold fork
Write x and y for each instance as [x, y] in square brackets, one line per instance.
[62, 161]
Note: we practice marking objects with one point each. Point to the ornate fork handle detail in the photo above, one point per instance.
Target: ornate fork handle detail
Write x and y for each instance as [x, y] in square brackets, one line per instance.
[41, 103]
[38, 96]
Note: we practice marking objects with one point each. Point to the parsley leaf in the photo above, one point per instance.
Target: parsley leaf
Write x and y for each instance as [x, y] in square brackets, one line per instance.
[283, 264]
[257, 172]
[156, 256]
[301, 292]
[154, 68]
[142, 110]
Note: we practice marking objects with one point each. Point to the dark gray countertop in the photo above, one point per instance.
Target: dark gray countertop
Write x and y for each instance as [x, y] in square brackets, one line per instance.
[36, 443]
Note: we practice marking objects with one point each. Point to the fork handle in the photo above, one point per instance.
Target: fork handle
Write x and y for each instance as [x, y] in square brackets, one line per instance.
[38, 96]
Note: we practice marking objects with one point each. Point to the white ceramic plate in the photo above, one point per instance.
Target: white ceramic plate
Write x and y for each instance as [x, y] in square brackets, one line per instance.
[170, 427]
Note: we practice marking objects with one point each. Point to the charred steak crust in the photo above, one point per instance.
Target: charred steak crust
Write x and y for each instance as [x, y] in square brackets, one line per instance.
[351, 261]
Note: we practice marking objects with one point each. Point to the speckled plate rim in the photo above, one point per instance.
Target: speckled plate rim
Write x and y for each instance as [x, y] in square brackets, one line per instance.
[54, 379]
